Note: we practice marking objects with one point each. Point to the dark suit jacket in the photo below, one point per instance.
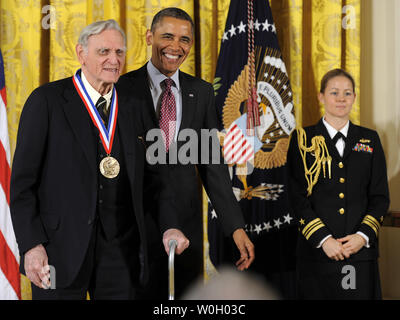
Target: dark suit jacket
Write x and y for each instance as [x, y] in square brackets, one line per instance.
[362, 179]
[198, 112]
[54, 177]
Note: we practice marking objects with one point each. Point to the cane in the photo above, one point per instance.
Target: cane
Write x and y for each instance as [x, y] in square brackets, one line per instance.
[172, 246]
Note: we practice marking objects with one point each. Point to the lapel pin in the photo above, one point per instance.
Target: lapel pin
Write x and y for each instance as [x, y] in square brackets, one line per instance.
[191, 95]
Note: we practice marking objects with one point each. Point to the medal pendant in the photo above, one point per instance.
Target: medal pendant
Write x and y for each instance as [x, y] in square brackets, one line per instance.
[109, 167]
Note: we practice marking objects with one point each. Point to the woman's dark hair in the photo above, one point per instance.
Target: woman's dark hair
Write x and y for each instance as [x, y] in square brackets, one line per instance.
[335, 73]
[173, 13]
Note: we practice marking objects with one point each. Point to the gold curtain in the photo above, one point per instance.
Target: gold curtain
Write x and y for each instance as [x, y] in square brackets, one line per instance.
[38, 37]
[316, 36]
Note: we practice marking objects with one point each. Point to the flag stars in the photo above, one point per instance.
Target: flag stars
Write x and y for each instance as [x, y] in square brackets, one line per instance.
[232, 31]
[213, 214]
[266, 25]
[287, 218]
[267, 226]
[277, 223]
[242, 27]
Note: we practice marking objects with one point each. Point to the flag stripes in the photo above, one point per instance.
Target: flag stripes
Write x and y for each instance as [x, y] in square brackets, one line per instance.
[9, 255]
[236, 147]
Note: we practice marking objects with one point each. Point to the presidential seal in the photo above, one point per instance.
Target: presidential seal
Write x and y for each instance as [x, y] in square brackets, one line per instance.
[271, 139]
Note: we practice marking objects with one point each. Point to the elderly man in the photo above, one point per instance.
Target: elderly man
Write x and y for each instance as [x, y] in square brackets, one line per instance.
[173, 101]
[78, 178]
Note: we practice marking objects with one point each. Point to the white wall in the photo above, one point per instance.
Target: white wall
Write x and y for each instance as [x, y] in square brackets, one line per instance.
[380, 84]
[380, 110]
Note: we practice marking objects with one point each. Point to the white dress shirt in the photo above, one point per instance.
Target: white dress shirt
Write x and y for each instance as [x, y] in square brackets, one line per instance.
[94, 94]
[155, 79]
[340, 144]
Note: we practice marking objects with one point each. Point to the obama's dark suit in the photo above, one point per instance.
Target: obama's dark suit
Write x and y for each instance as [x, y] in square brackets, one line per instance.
[198, 112]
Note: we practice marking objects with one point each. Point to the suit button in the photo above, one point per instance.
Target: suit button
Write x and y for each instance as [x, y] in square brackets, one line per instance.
[341, 211]
[100, 201]
[342, 180]
[341, 165]
[101, 187]
[341, 195]
[90, 221]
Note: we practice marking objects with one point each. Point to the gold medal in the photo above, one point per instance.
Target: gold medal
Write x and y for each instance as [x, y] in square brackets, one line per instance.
[109, 167]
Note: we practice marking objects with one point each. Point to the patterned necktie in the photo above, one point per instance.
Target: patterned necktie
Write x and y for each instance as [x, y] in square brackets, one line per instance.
[168, 113]
[101, 107]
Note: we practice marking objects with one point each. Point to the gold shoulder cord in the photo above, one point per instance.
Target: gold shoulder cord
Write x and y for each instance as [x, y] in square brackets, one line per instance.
[321, 153]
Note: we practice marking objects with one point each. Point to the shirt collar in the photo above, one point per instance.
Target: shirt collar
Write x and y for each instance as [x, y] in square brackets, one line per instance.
[332, 131]
[93, 93]
[156, 77]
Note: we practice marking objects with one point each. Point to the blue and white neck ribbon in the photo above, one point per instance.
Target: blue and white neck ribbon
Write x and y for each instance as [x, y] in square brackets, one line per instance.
[106, 134]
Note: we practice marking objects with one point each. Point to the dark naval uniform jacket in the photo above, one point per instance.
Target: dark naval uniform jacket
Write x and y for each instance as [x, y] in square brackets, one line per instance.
[355, 198]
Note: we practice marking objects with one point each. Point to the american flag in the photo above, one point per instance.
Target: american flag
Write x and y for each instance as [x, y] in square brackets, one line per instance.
[261, 193]
[10, 288]
[238, 146]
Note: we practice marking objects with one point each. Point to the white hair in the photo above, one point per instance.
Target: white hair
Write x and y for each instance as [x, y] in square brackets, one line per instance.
[98, 27]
